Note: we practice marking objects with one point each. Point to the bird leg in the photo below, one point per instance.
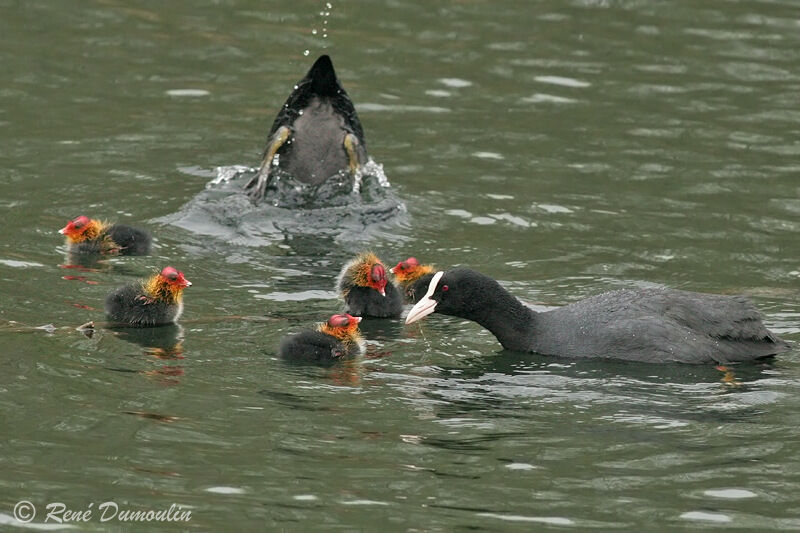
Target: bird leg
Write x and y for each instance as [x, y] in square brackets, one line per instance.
[350, 146]
[258, 184]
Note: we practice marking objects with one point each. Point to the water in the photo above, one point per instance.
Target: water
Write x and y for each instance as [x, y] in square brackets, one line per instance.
[565, 148]
[342, 208]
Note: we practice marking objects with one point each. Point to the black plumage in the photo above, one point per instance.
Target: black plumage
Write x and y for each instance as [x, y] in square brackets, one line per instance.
[315, 135]
[366, 290]
[156, 301]
[91, 236]
[130, 305]
[414, 290]
[366, 301]
[412, 278]
[312, 346]
[651, 325]
[131, 241]
[332, 340]
[320, 82]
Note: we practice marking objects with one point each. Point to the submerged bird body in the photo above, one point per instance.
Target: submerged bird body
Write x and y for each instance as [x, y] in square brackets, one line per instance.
[86, 235]
[650, 325]
[156, 301]
[332, 340]
[316, 134]
[413, 278]
[366, 290]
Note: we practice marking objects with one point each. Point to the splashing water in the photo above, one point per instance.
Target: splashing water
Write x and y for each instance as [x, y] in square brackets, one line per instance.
[324, 14]
[343, 207]
[226, 174]
[371, 168]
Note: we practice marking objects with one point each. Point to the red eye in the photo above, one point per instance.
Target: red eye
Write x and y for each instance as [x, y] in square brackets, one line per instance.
[445, 288]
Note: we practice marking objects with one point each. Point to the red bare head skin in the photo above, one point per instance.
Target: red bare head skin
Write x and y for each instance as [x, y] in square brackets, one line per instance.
[410, 270]
[344, 327]
[403, 266]
[76, 226]
[167, 285]
[377, 278]
[343, 320]
[174, 277]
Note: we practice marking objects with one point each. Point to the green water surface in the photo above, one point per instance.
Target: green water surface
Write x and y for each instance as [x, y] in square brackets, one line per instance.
[563, 147]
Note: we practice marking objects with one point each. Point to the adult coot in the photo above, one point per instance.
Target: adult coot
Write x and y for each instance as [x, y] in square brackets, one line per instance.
[87, 235]
[316, 134]
[651, 325]
[156, 301]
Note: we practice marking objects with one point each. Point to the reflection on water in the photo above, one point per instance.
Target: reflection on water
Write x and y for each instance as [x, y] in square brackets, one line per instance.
[163, 351]
[164, 342]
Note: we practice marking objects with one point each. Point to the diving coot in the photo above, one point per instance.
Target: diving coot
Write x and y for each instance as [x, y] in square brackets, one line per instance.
[155, 301]
[413, 278]
[316, 134]
[366, 290]
[652, 325]
[87, 235]
[337, 338]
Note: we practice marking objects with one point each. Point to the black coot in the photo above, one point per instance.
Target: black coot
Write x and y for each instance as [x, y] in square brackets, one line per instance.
[366, 290]
[651, 325]
[156, 301]
[316, 134]
[332, 340]
[87, 235]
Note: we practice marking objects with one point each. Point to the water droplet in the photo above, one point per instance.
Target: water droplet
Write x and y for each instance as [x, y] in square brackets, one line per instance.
[305, 52]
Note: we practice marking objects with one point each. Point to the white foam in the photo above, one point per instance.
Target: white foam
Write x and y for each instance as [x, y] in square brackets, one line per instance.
[488, 155]
[706, 517]
[561, 80]
[552, 520]
[455, 82]
[730, 494]
[548, 98]
[19, 264]
[521, 466]
[188, 92]
[225, 490]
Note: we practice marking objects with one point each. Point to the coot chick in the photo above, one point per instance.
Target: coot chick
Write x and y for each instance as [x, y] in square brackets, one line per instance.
[316, 134]
[413, 278]
[156, 301]
[651, 325]
[87, 235]
[332, 340]
[366, 290]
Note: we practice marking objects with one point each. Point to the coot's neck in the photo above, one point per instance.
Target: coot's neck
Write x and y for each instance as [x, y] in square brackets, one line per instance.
[511, 321]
